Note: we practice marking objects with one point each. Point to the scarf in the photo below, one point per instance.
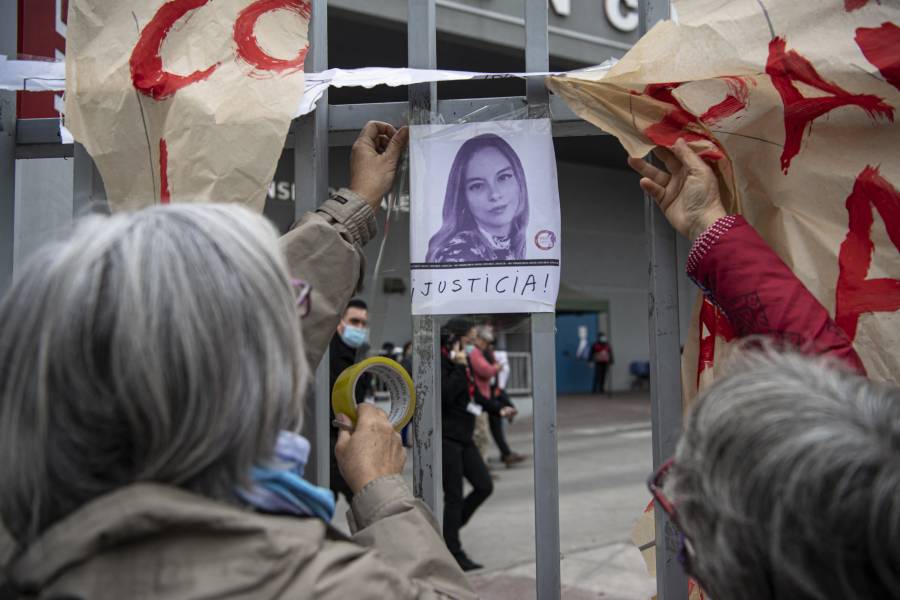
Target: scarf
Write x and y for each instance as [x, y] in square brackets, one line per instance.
[280, 488]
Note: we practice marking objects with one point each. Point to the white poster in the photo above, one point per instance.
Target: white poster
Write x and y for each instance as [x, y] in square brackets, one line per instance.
[485, 218]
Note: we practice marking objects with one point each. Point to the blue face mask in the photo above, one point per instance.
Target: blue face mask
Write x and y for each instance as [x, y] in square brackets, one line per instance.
[355, 336]
[470, 348]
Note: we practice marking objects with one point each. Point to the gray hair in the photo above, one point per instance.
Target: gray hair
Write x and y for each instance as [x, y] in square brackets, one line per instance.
[787, 481]
[158, 346]
[486, 333]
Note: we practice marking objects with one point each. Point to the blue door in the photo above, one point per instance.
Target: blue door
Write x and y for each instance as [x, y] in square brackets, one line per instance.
[574, 374]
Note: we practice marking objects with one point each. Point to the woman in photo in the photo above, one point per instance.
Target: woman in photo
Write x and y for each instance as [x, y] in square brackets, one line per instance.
[485, 207]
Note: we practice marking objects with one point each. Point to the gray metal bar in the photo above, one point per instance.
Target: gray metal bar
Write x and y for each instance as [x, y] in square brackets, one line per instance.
[665, 363]
[39, 138]
[543, 348]
[546, 465]
[427, 447]
[537, 56]
[311, 189]
[82, 181]
[8, 42]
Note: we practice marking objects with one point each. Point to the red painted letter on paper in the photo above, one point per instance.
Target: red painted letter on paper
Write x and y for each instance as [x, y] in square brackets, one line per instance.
[881, 46]
[147, 72]
[787, 67]
[857, 295]
[248, 47]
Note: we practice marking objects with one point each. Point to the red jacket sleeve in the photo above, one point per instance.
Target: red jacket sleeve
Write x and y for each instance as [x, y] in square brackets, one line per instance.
[480, 365]
[760, 295]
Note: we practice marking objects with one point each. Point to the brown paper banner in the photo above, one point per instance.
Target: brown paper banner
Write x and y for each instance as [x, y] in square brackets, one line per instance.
[184, 100]
[797, 106]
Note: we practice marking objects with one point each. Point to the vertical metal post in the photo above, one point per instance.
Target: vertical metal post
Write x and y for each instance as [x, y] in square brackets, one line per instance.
[82, 181]
[543, 348]
[665, 363]
[8, 42]
[427, 448]
[310, 190]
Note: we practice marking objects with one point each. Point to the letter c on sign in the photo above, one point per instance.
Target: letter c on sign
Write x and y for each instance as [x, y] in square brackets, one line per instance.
[623, 22]
[147, 73]
[248, 47]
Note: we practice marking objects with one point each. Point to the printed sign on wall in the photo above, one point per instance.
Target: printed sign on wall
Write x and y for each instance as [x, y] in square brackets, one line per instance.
[485, 218]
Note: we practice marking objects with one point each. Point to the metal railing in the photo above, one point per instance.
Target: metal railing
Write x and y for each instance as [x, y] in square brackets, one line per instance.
[519, 382]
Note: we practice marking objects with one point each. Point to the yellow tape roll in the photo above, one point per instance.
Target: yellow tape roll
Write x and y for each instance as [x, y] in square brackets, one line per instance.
[398, 382]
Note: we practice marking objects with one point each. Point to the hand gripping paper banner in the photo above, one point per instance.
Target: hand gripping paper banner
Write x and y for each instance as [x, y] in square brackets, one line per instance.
[796, 106]
[184, 100]
[484, 206]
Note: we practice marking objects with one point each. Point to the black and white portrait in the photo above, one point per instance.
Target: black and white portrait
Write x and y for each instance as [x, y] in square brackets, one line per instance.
[485, 217]
[485, 210]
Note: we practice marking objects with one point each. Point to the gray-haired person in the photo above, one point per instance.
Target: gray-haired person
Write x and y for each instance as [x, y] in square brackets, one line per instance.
[785, 484]
[152, 369]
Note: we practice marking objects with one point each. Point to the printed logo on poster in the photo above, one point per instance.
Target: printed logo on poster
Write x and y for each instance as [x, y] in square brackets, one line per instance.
[484, 203]
[545, 239]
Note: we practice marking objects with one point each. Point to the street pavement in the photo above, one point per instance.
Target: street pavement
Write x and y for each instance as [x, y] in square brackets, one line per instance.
[604, 460]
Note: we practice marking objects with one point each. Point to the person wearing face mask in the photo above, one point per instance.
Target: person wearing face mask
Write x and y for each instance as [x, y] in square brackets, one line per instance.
[348, 346]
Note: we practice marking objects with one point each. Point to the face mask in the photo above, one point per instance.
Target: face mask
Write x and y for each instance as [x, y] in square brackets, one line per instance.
[355, 336]
[470, 348]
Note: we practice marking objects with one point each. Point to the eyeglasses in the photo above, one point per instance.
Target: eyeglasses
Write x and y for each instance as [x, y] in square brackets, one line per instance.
[303, 293]
[685, 547]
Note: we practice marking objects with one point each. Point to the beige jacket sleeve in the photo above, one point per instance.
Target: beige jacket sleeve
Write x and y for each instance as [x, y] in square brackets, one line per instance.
[324, 248]
[398, 551]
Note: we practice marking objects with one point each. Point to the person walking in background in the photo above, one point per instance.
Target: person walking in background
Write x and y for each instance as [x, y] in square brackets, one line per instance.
[348, 346]
[602, 357]
[498, 391]
[461, 457]
[484, 372]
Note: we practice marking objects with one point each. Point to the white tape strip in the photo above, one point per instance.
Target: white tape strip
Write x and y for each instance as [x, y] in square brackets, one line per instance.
[40, 76]
[32, 75]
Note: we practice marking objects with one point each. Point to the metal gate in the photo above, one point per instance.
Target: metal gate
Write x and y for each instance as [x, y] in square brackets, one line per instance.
[310, 137]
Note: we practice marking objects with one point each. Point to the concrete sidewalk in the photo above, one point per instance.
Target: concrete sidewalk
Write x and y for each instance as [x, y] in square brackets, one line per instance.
[604, 460]
[614, 572]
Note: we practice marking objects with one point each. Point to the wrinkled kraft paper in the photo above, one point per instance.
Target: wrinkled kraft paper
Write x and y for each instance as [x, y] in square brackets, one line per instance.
[184, 100]
[798, 107]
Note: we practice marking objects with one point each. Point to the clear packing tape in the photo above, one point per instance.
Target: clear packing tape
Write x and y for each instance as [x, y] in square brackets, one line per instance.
[396, 380]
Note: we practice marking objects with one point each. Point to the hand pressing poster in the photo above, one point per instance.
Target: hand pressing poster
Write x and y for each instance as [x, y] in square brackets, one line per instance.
[485, 218]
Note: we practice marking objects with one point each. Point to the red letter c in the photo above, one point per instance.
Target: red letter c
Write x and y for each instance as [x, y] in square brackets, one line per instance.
[147, 73]
[248, 47]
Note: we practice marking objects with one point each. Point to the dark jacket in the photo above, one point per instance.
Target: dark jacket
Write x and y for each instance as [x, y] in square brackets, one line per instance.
[457, 390]
[341, 357]
[457, 423]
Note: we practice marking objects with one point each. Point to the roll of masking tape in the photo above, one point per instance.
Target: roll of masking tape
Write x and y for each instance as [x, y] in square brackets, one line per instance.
[395, 378]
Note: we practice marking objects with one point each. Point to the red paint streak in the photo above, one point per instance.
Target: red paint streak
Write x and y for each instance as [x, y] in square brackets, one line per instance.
[147, 73]
[678, 123]
[248, 47]
[734, 102]
[786, 67]
[855, 294]
[881, 46]
[164, 196]
[851, 5]
[717, 324]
